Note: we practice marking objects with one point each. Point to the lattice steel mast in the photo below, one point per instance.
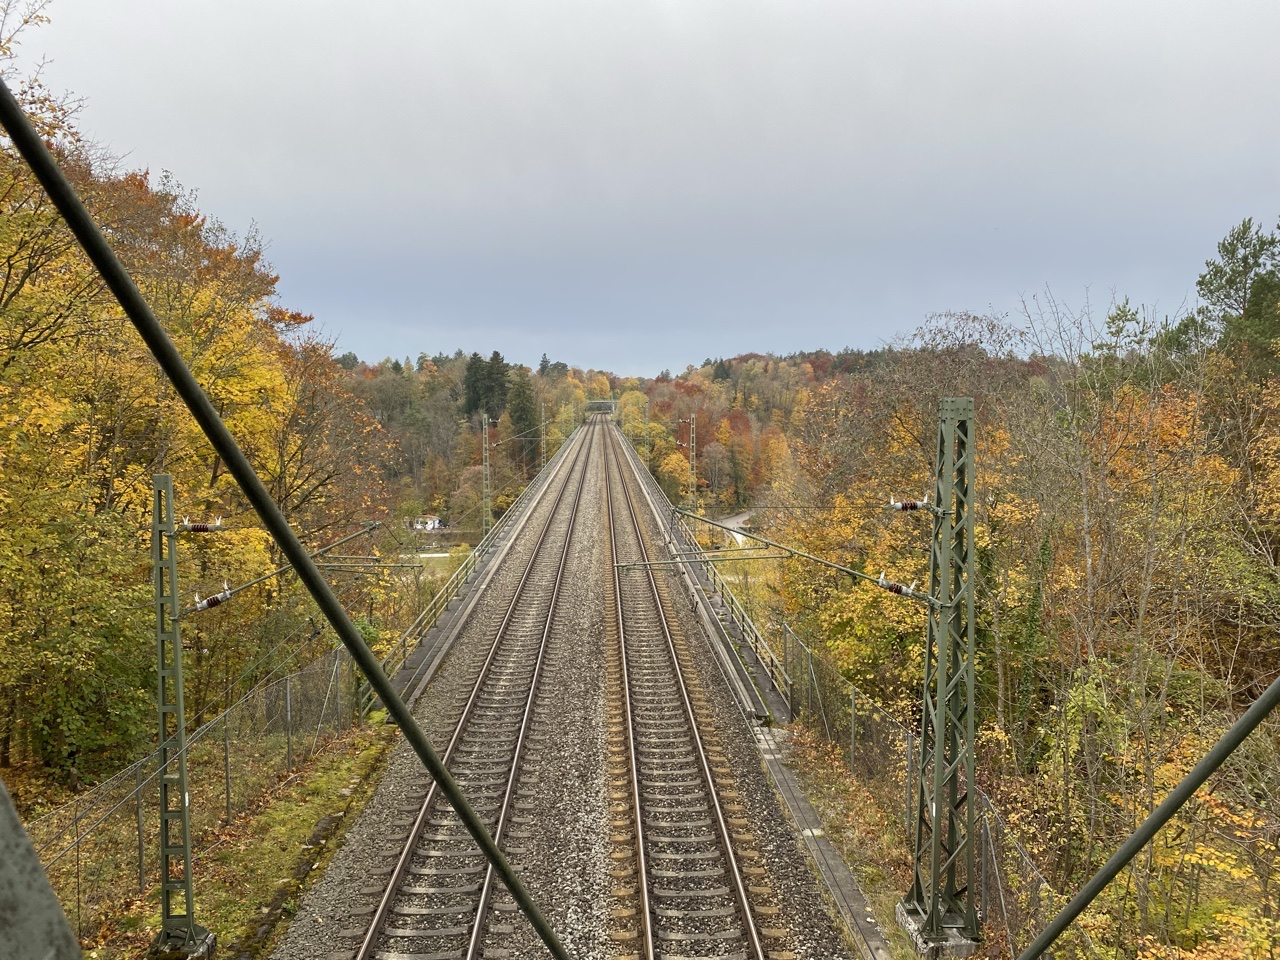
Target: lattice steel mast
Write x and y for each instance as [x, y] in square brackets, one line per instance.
[486, 506]
[180, 935]
[939, 909]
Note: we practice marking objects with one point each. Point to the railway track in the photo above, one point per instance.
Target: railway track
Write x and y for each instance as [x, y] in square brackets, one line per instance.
[440, 897]
[688, 881]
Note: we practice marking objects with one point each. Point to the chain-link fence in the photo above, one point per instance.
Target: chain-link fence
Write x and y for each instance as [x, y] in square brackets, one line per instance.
[1016, 901]
[102, 849]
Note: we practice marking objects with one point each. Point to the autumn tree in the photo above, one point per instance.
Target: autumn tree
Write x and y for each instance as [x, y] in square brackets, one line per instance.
[85, 421]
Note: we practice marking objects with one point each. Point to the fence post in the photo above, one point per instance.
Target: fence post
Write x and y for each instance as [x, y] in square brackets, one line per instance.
[288, 720]
[353, 697]
[808, 680]
[911, 738]
[342, 690]
[853, 723]
[76, 831]
[786, 673]
[984, 842]
[337, 706]
[226, 758]
[142, 848]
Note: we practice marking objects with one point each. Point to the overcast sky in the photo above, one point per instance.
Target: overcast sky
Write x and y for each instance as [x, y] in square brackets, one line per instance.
[638, 185]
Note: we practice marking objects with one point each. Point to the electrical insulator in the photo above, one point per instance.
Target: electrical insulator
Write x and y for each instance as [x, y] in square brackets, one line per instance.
[894, 587]
[213, 601]
[908, 504]
[189, 527]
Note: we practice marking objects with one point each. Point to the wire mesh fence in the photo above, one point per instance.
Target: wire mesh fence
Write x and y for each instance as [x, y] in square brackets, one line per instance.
[1016, 900]
[1013, 897]
[102, 849]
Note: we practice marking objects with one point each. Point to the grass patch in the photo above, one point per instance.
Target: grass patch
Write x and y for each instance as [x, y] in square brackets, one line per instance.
[248, 876]
[438, 568]
[871, 840]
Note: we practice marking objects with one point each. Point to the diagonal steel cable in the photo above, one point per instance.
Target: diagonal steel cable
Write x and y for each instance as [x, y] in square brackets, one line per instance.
[37, 155]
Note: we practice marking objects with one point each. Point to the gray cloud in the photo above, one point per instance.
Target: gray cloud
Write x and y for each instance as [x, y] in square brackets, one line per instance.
[638, 185]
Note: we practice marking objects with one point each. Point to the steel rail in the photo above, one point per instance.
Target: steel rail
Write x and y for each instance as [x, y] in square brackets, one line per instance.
[756, 947]
[438, 604]
[31, 146]
[391, 890]
[674, 534]
[500, 529]
[642, 864]
[526, 718]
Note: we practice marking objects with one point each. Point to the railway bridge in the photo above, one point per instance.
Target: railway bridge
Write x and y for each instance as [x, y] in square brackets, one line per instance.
[604, 733]
[599, 753]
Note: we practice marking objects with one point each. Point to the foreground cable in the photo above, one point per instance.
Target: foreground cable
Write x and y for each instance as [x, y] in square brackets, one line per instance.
[37, 155]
